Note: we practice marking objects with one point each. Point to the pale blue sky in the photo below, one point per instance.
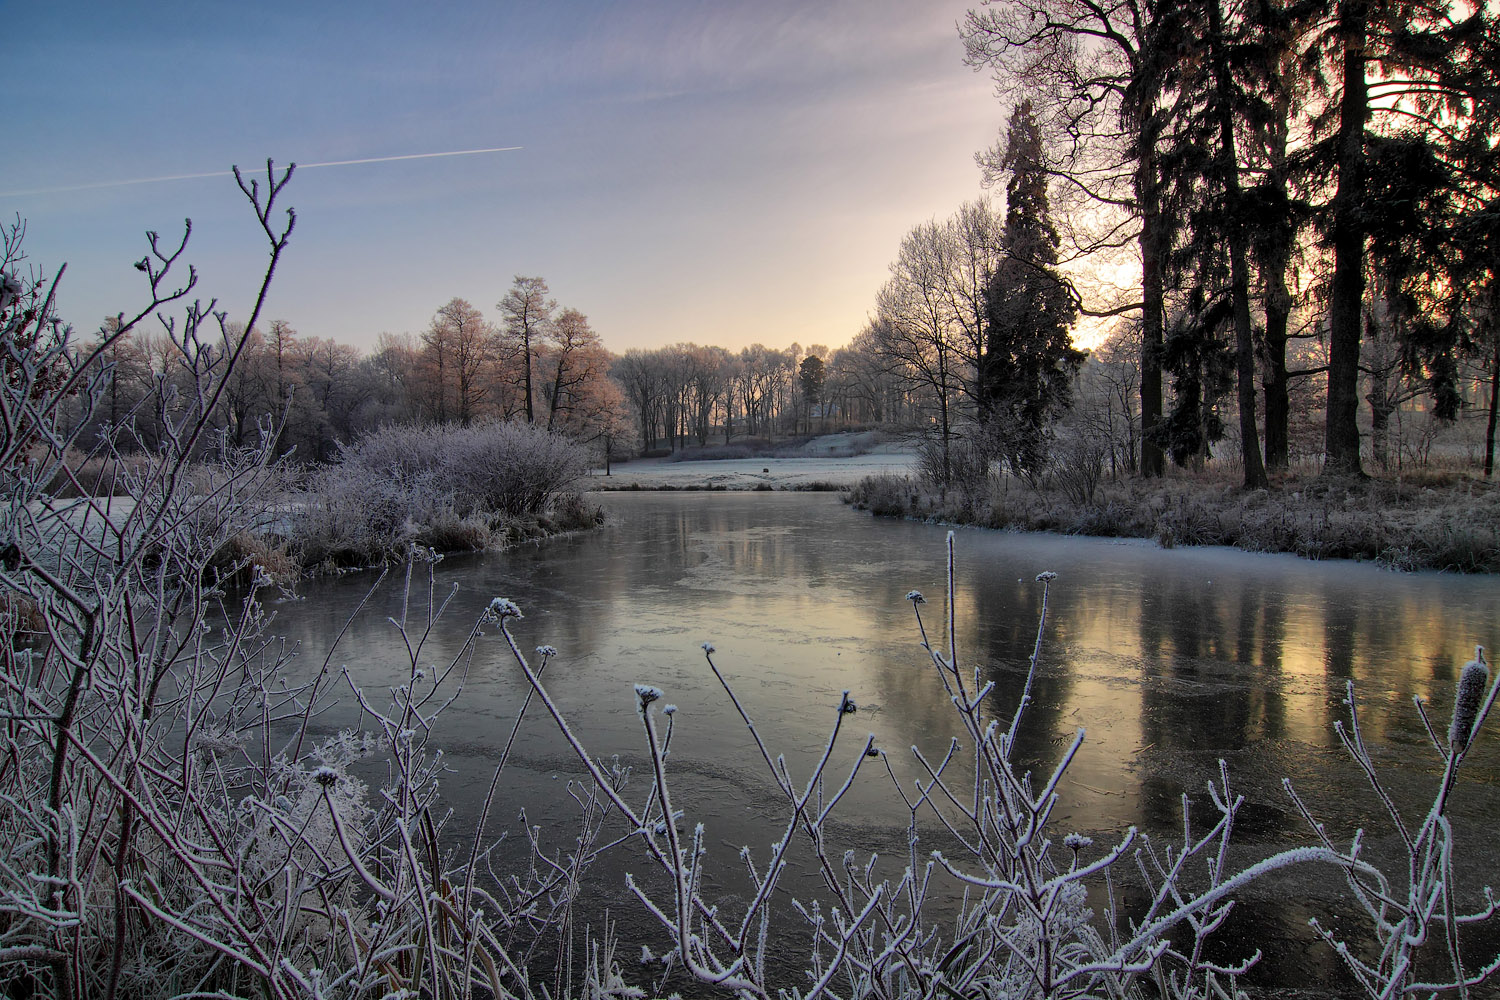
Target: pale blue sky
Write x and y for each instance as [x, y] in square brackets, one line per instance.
[720, 172]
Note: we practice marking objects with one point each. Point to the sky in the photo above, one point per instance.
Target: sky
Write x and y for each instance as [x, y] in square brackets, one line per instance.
[716, 171]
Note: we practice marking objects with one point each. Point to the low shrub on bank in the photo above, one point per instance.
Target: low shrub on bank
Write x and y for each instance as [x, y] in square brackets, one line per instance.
[1451, 527]
[445, 488]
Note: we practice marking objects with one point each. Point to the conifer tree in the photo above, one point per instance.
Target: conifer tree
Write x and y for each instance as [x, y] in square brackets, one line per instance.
[1030, 360]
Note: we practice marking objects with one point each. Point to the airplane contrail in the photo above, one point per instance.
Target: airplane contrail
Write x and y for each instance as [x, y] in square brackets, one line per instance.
[228, 173]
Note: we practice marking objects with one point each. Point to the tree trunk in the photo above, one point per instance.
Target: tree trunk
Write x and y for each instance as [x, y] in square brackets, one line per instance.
[1341, 432]
[1275, 382]
[1239, 274]
[1380, 361]
[1489, 429]
[1153, 298]
[526, 357]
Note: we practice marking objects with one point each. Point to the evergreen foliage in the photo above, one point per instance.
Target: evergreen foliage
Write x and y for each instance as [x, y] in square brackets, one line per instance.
[1030, 360]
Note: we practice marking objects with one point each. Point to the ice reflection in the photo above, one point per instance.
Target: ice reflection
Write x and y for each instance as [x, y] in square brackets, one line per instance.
[1171, 660]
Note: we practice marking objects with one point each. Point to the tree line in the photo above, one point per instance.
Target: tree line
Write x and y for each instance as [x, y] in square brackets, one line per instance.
[534, 361]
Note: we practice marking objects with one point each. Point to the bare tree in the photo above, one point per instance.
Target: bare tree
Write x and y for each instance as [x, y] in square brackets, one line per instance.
[575, 362]
[915, 329]
[528, 319]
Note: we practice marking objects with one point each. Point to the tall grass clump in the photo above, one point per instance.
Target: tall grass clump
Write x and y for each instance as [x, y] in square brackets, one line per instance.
[443, 487]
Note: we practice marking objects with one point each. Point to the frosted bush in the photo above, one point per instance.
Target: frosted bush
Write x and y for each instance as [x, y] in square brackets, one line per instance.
[445, 487]
[508, 468]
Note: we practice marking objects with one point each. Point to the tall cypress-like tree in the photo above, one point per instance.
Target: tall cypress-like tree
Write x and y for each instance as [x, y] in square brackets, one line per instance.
[1029, 359]
[1098, 73]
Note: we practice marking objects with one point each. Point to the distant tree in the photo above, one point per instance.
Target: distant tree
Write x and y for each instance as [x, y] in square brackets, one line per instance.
[862, 381]
[1029, 358]
[607, 420]
[1108, 386]
[395, 366]
[639, 375]
[128, 379]
[812, 376]
[247, 395]
[436, 361]
[916, 335]
[761, 375]
[1202, 369]
[528, 319]
[281, 343]
[968, 254]
[335, 386]
[575, 363]
[1202, 165]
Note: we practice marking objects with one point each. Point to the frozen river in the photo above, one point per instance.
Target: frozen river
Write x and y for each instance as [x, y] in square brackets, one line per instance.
[1169, 659]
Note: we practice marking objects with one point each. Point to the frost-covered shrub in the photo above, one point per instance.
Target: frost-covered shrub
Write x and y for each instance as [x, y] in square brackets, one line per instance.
[354, 516]
[449, 488]
[510, 468]
[1076, 463]
[885, 495]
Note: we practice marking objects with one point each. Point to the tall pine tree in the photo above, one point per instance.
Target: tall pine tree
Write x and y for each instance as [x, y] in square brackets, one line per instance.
[1029, 360]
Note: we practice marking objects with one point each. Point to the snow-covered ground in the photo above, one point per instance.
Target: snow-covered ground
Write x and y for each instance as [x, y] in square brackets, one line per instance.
[752, 473]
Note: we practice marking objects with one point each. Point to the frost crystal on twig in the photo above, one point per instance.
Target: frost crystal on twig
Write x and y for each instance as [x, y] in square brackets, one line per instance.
[1472, 681]
[501, 608]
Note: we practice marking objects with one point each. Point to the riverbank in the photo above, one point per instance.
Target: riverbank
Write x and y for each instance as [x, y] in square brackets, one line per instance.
[1451, 525]
[812, 473]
